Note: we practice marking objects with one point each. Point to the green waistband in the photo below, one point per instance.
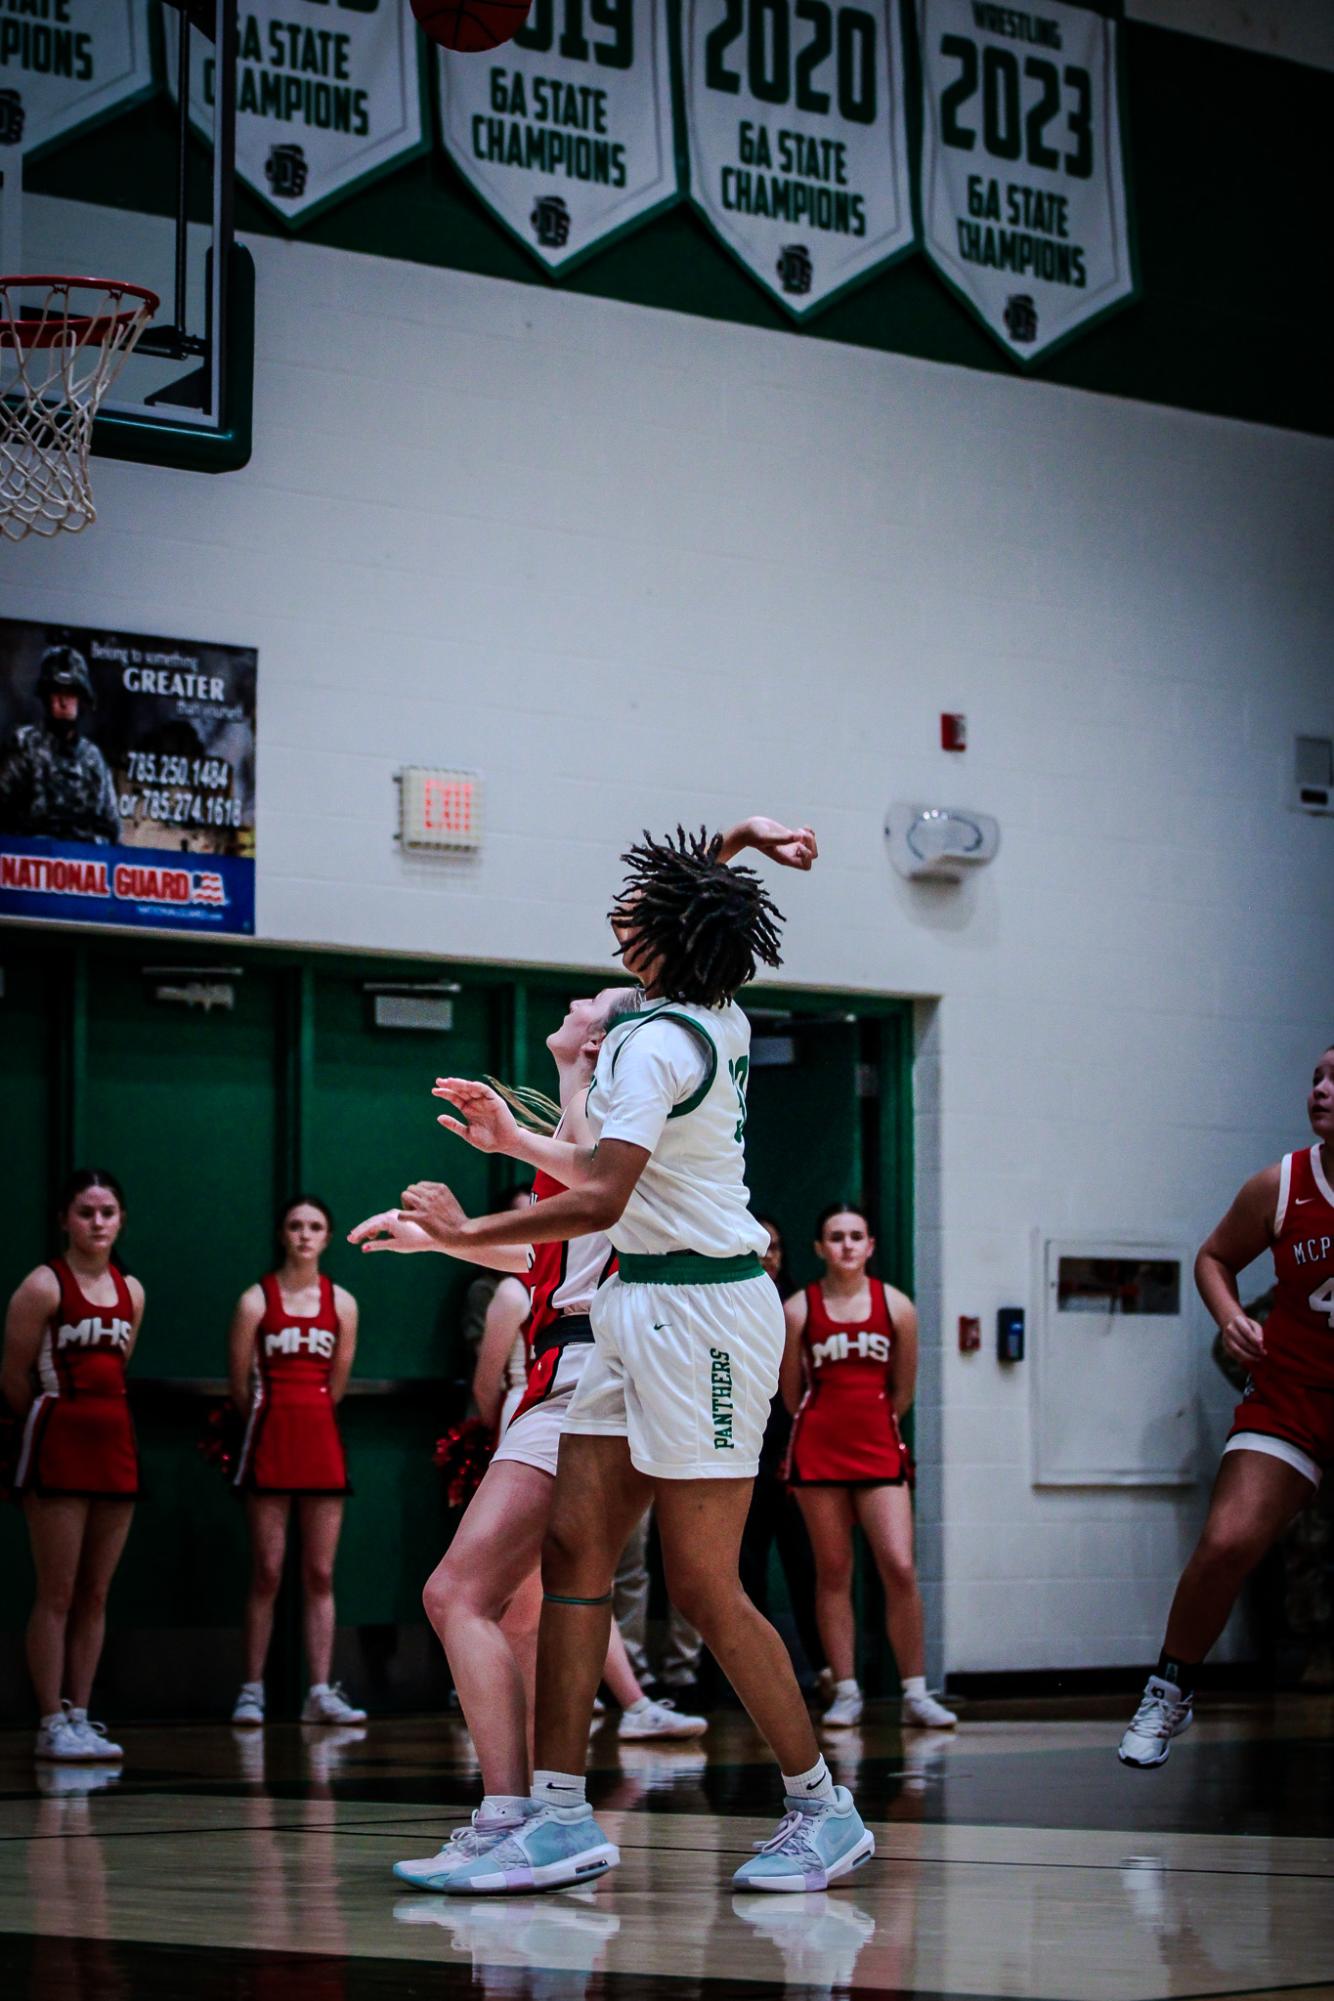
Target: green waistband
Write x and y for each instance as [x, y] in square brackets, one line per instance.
[687, 1268]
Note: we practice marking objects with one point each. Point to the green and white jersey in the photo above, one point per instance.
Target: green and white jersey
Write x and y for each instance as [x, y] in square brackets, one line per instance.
[672, 1078]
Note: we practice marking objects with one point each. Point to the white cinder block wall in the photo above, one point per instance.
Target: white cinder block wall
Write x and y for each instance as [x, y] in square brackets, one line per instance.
[637, 567]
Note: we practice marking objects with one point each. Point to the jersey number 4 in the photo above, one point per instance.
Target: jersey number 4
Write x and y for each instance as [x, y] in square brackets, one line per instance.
[1322, 1301]
[738, 1069]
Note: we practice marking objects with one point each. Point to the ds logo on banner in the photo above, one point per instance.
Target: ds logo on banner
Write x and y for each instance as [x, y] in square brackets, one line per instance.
[1023, 176]
[798, 146]
[565, 132]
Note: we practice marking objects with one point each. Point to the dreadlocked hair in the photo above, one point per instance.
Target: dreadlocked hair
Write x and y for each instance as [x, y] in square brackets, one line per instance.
[534, 1109]
[708, 922]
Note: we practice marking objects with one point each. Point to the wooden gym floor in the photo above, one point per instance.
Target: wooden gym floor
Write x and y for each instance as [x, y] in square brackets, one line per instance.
[1015, 1859]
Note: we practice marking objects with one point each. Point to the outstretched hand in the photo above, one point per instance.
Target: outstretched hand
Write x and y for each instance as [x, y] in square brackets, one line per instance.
[486, 1121]
[790, 847]
[391, 1230]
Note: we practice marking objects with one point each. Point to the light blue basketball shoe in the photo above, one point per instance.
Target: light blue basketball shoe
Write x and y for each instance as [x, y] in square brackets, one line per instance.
[552, 1848]
[465, 1845]
[815, 1844]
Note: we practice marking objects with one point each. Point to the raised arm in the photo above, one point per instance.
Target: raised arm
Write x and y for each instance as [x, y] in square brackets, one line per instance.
[792, 847]
[429, 1208]
[30, 1309]
[241, 1344]
[509, 1307]
[789, 1373]
[487, 1123]
[344, 1354]
[1244, 1234]
[402, 1230]
[903, 1353]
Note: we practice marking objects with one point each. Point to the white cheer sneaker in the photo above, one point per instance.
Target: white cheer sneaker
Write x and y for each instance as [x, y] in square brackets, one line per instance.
[1164, 1712]
[844, 1712]
[923, 1712]
[658, 1719]
[249, 1711]
[329, 1704]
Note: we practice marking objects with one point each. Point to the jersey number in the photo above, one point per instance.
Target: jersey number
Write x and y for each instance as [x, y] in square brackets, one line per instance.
[1322, 1301]
[738, 1069]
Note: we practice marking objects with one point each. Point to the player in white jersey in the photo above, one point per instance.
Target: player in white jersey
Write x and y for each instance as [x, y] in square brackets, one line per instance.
[688, 1338]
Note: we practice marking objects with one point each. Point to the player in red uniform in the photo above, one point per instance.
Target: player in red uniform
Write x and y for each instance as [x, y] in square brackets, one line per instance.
[1282, 1437]
[849, 1372]
[69, 1332]
[290, 1350]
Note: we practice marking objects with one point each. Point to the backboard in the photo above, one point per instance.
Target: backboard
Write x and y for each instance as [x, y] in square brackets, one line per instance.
[111, 181]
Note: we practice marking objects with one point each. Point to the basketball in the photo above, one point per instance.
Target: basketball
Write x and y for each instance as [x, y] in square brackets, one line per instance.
[477, 25]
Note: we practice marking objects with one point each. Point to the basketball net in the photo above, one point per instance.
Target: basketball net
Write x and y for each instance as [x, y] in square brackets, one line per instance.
[56, 365]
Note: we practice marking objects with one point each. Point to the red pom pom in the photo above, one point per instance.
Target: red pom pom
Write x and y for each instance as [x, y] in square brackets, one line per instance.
[219, 1443]
[463, 1455]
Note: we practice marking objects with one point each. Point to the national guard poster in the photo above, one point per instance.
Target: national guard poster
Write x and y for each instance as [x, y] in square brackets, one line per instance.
[797, 139]
[1023, 183]
[566, 132]
[127, 779]
[326, 98]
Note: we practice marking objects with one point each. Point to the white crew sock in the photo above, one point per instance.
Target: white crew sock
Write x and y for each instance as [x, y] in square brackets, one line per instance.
[319, 1688]
[56, 1716]
[637, 1707]
[77, 1715]
[502, 1810]
[842, 1688]
[813, 1785]
[558, 1788]
[914, 1685]
[253, 1688]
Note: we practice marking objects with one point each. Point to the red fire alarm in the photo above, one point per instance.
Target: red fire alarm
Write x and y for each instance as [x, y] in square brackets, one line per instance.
[970, 1334]
[953, 732]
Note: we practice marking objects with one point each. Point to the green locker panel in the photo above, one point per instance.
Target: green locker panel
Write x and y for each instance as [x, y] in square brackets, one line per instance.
[368, 1129]
[183, 1104]
[803, 1134]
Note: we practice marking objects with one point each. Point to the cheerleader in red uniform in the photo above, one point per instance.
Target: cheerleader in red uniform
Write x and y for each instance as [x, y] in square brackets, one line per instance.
[290, 1353]
[848, 1374]
[1281, 1444]
[70, 1330]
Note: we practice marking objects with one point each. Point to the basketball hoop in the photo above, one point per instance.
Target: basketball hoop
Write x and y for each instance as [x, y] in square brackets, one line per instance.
[56, 364]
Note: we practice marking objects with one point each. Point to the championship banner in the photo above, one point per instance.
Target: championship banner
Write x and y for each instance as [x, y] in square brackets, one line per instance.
[798, 149]
[326, 98]
[127, 779]
[65, 63]
[1024, 202]
[566, 132]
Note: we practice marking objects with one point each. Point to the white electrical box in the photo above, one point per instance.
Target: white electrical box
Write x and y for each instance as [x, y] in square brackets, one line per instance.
[1114, 1365]
[440, 811]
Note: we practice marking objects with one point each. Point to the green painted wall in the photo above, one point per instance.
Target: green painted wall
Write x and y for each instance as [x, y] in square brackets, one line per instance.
[209, 1119]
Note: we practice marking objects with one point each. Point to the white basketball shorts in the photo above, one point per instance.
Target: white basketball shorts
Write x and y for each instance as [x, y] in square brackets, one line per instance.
[534, 1438]
[685, 1372]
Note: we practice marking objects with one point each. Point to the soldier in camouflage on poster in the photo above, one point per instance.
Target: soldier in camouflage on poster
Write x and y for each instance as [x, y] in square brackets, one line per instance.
[54, 781]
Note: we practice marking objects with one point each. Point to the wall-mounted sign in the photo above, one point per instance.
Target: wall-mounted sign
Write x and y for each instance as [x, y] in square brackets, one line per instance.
[566, 132]
[798, 146]
[65, 63]
[327, 97]
[440, 810]
[127, 778]
[1023, 192]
